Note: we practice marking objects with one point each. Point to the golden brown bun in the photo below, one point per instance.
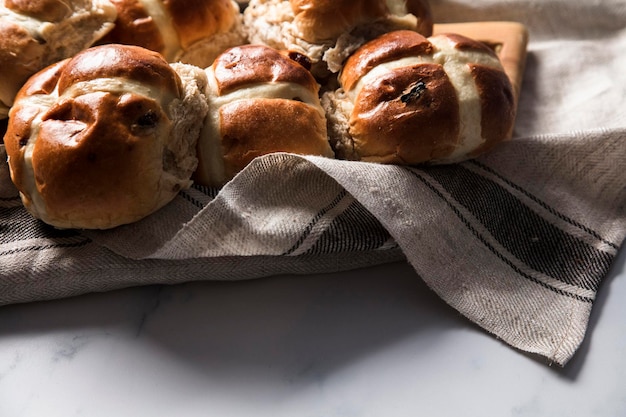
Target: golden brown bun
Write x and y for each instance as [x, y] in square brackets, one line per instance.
[327, 31]
[261, 102]
[251, 64]
[105, 138]
[189, 31]
[38, 33]
[323, 20]
[407, 99]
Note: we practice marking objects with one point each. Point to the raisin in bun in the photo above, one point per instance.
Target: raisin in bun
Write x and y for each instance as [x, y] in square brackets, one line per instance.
[105, 138]
[327, 31]
[38, 33]
[261, 101]
[407, 99]
[189, 31]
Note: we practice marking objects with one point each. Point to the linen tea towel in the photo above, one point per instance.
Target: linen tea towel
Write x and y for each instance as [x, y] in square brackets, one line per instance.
[518, 240]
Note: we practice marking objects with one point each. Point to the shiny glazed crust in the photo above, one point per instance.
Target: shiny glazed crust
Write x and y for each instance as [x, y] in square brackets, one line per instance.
[93, 141]
[174, 27]
[261, 102]
[255, 127]
[199, 19]
[507, 39]
[250, 64]
[322, 20]
[407, 99]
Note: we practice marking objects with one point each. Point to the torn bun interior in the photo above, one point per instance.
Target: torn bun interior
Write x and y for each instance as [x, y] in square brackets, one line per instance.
[328, 31]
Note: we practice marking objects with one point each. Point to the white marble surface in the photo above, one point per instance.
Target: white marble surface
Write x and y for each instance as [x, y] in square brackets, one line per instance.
[370, 342]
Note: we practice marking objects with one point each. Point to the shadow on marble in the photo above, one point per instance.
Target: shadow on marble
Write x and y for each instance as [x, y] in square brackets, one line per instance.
[298, 324]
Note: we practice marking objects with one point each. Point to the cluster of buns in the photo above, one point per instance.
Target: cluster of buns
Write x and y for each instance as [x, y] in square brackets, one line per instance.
[37, 33]
[171, 95]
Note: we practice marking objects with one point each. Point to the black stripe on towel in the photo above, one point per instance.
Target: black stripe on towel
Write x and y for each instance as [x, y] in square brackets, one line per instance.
[493, 250]
[529, 237]
[191, 199]
[78, 242]
[530, 196]
[211, 192]
[354, 230]
[309, 228]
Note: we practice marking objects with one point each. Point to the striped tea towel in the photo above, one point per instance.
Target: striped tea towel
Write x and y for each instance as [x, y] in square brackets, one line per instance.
[518, 240]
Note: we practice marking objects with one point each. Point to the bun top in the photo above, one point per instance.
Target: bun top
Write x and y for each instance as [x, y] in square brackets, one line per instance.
[402, 44]
[198, 19]
[324, 20]
[393, 46]
[250, 64]
[170, 26]
[92, 140]
[130, 63]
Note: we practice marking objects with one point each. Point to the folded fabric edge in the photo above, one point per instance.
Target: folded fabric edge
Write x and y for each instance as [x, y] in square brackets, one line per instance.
[60, 279]
[574, 319]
